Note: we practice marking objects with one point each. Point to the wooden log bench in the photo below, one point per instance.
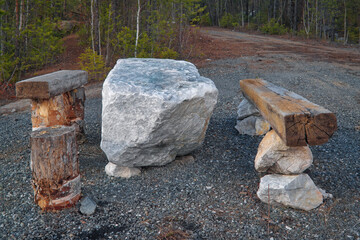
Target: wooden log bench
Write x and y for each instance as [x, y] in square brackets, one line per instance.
[296, 120]
[57, 122]
[284, 151]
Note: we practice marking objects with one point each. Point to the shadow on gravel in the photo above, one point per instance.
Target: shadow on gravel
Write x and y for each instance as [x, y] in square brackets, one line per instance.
[102, 232]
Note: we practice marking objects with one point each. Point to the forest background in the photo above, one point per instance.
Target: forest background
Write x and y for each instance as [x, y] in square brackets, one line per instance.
[32, 31]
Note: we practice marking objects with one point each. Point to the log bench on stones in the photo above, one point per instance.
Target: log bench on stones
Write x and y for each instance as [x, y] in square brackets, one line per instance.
[57, 126]
[295, 119]
[284, 151]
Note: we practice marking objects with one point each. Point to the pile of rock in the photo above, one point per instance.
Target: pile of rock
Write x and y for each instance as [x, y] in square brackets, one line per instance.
[250, 121]
[153, 110]
[58, 125]
[287, 184]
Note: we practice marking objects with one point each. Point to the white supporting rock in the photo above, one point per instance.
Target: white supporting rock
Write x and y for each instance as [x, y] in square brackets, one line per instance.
[154, 110]
[253, 126]
[246, 109]
[249, 120]
[275, 157]
[296, 191]
[124, 172]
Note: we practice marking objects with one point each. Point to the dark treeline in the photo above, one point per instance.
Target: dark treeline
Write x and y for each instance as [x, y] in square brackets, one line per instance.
[31, 30]
[337, 20]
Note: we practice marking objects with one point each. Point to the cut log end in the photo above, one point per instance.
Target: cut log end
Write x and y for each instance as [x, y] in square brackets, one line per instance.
[320, 130]
[302, 130]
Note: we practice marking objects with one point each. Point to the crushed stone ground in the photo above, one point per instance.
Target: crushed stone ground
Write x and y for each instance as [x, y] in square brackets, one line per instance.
[213, 196]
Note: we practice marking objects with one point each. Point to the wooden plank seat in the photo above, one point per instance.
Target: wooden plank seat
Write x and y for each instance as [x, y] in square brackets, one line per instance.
[295, 119]
[58, 98]
[50, 85]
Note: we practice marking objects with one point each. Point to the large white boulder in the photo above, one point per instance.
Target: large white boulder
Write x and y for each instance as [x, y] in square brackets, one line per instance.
[274, 156]
[154, 110]
[296, 191]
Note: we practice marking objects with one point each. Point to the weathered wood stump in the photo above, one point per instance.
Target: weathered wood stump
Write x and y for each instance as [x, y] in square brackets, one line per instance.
[55, 167]
[295, 119]
[64, 109]
[57, 99]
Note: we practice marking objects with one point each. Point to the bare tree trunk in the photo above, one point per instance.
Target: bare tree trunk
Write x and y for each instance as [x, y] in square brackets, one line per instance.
[345, 12]
[247, 11]
[324, 30]
[1, 36]
[306, 18]
[242, 13]
[96, 26]
[274, 14]
[137, 27]
[316, 18]
[107, 58]
[21, 14]
[217, 13]
[92, 27]
[180, 29]
[295, 15]
[17, 35]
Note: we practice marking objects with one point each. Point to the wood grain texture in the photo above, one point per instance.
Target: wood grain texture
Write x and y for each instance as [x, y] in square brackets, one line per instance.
[55, 167]
[295, 119]
[50, 85]
[64, 109]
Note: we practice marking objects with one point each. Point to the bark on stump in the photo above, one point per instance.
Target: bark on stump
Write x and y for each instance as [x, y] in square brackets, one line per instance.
[65, 109]
[55, 167]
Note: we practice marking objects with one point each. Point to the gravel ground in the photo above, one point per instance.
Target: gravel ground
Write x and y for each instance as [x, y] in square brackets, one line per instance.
[212, 197]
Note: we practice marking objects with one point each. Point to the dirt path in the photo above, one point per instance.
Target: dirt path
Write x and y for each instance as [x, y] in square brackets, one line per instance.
[225, 43]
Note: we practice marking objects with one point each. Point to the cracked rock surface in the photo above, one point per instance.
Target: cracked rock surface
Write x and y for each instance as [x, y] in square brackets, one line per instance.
[249, 120]
[275, 157]
[154, 110]
[296, 191]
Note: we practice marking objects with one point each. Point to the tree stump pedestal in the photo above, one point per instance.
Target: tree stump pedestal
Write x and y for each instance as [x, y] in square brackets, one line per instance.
[55, 167]
[58, 126]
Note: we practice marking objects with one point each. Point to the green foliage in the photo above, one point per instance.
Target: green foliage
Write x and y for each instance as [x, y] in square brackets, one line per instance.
[273, 28]
[44, 44]
[229, 21]
[168, 54]
[205, 20]
[144, 46]
[125, 45]
[7, 66]
[301, 33]
[198, 16]
[94, 64]
[354, 35]
[252, 26]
